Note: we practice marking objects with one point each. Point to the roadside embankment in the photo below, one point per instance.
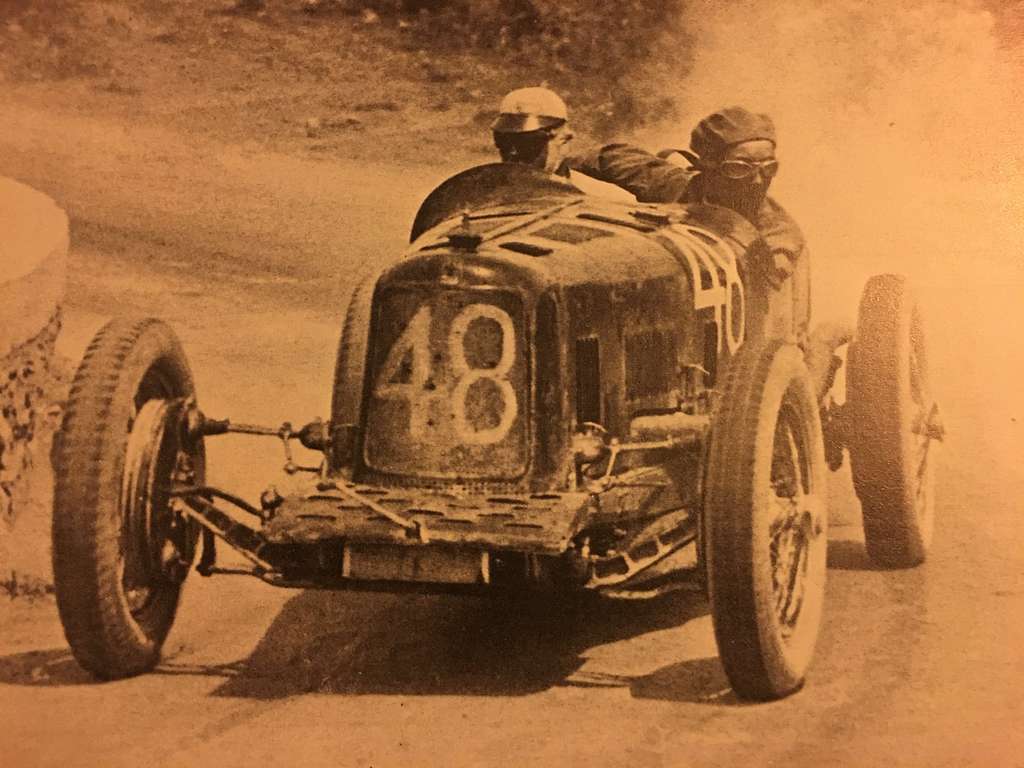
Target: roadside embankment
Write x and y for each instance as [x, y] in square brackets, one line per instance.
[33, 257]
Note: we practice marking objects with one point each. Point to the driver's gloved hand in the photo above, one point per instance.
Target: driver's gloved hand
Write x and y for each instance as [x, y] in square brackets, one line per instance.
[779, 267]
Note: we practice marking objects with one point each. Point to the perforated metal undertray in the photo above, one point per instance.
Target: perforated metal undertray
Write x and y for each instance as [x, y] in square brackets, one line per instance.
[541, 523]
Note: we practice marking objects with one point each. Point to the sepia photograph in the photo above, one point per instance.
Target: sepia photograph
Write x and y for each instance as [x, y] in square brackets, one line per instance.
[473, 383]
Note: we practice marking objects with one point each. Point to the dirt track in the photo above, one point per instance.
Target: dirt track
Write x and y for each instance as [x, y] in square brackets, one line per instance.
[914, 668]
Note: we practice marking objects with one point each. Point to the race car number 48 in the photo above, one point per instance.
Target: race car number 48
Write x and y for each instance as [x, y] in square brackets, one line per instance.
[425, 385]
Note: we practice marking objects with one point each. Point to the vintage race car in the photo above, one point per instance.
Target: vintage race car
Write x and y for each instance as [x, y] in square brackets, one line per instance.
[547, 392]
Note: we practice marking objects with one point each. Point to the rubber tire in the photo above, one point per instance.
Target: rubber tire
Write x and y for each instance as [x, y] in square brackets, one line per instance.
[880, 392]
[762, 383]
[88, 459]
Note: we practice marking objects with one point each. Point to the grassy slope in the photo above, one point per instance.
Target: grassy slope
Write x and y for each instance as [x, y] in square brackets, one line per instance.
[342, 80]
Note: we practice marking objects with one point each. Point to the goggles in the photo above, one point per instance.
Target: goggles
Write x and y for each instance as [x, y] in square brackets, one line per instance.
[745, 169]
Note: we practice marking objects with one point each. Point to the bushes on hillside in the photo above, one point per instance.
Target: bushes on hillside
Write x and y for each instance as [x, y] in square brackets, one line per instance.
[612, 51]
[605, 37]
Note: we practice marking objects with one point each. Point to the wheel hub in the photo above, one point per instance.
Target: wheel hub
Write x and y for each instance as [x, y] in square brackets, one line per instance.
[155, 547]
[793, 529]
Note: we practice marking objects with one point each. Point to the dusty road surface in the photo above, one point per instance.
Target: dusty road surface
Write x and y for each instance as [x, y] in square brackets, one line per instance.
[250, 256]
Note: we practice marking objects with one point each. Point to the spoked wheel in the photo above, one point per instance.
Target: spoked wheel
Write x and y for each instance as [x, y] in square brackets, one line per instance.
[121, 545]
[893, 424]
[765, 523]
[157, 544]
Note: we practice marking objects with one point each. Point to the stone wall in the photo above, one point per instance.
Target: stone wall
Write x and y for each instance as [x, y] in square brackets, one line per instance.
[33, 260]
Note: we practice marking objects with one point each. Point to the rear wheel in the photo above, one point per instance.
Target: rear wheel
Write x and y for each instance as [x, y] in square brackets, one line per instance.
[893, 421]
[765, 522]
[121, 547]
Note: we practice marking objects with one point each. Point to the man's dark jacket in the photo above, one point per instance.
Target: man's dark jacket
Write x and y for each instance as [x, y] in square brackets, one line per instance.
[653, 179]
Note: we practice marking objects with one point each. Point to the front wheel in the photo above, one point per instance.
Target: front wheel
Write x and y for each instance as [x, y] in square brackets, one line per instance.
[121, 546]
[765, 522]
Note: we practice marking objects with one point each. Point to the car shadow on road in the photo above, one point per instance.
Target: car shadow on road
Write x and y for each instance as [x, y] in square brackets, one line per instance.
[367, 643]
[850, 555]
[694, 680]
[364, 643]
[54, 667]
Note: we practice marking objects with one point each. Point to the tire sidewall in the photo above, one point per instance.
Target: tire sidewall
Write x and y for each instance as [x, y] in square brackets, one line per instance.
[760, 661]
[155, 349]
[883, 447]
[788, 383]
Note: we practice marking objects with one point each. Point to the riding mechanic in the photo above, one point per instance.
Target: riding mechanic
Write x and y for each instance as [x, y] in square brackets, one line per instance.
[731, 162]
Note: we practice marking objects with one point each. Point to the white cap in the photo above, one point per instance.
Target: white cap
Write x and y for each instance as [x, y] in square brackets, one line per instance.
[530, 109]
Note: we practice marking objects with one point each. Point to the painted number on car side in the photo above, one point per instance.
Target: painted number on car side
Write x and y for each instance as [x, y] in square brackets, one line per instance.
[708, 254]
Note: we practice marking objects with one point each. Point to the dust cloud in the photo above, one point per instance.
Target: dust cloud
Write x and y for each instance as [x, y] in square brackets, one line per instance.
[901, 151]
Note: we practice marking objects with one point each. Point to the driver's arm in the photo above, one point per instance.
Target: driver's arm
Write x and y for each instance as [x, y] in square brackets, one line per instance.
[650, 178]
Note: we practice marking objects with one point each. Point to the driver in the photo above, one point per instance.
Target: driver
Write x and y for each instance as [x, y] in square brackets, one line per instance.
[533, 128]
